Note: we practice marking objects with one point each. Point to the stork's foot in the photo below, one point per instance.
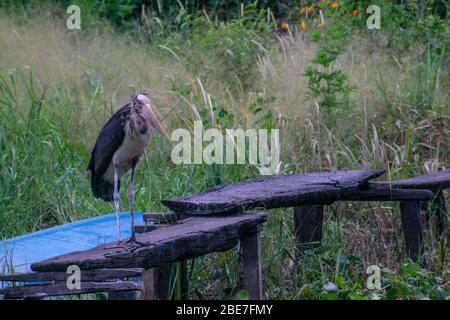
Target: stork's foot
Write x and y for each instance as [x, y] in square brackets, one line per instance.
[133, 242]
[130, 245]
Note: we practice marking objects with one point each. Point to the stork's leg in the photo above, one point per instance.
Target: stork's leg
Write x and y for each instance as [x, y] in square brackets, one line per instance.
[117, 202]
[131, 197]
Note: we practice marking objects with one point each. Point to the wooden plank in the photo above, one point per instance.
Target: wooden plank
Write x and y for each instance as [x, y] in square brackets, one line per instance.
[148, 284]
[412, 228]
[86, 275]
[308, 226]
[251, 264]
[142, 228]
[60, 289]
[383, 193]
[164, 217]
[274, 192]
[189, 238]
[433, 181]
[156, 282]
[184, 281]
[162, 282]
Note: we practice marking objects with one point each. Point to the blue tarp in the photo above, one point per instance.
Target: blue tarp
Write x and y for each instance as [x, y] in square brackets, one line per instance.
[22, 251]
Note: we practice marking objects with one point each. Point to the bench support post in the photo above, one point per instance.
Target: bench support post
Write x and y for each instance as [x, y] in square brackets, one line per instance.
[308, 220]
[184, 281]
[251, 263]
[155, 282]
[412, 227]
[440, 212]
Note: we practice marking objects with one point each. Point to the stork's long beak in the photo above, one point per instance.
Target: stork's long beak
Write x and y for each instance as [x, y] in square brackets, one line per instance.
[157, 124]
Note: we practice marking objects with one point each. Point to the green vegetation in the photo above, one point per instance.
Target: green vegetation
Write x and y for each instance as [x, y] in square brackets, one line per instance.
[235, 66]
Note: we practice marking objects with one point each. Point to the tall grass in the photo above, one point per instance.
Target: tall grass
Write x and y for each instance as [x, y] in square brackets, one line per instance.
[57, 88]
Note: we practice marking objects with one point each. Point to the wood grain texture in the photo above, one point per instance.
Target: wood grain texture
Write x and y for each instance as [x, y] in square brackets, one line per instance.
[58, 289]
[274, 192]
[433, 181]
[384, 193]
[308, 226]
[86, 275]
[162, 217]
[155, 282]
[412, 228]
[251, 264]
[143, 228]
[188, 238]
[184, 280]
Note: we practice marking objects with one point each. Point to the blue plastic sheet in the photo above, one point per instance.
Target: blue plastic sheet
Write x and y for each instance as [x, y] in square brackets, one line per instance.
[20, 252]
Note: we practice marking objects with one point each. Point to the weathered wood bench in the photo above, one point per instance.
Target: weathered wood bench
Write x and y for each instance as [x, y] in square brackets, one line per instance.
[212, 221]
[108, 269]
[411, 209]
[308, 193]
[436, 183]
[54, 283]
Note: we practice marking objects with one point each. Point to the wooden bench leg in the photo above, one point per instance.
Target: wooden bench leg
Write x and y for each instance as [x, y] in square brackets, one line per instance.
[308, 222]
[184, 281]
[412, 227]
[155, 282]
[440, 212]
[122, 295]
[251, 260]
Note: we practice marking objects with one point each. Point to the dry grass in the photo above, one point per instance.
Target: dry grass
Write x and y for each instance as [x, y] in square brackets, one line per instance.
[97, 71]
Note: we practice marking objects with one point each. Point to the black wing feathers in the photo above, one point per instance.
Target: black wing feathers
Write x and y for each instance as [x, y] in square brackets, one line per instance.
[109, 140]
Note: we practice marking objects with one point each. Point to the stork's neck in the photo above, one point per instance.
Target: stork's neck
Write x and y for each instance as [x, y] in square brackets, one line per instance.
[134, 108]
[138, 119]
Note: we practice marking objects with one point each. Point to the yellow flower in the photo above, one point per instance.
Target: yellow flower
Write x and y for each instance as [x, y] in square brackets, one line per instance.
[302, 24]
[309, 9]
[284, 25]
[302, 10]
[355, 12]
[334, 4]
[319, 25]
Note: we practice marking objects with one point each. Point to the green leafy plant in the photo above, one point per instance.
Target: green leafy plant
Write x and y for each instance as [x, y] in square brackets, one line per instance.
[326, 84]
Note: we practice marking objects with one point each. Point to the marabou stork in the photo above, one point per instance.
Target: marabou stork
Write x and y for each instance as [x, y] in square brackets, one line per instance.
[119, 146]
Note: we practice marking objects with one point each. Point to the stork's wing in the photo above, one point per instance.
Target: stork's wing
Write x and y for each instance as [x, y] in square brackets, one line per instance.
[108, 141]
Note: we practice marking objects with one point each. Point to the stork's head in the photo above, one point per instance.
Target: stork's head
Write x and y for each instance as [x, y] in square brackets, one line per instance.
[140, 101]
